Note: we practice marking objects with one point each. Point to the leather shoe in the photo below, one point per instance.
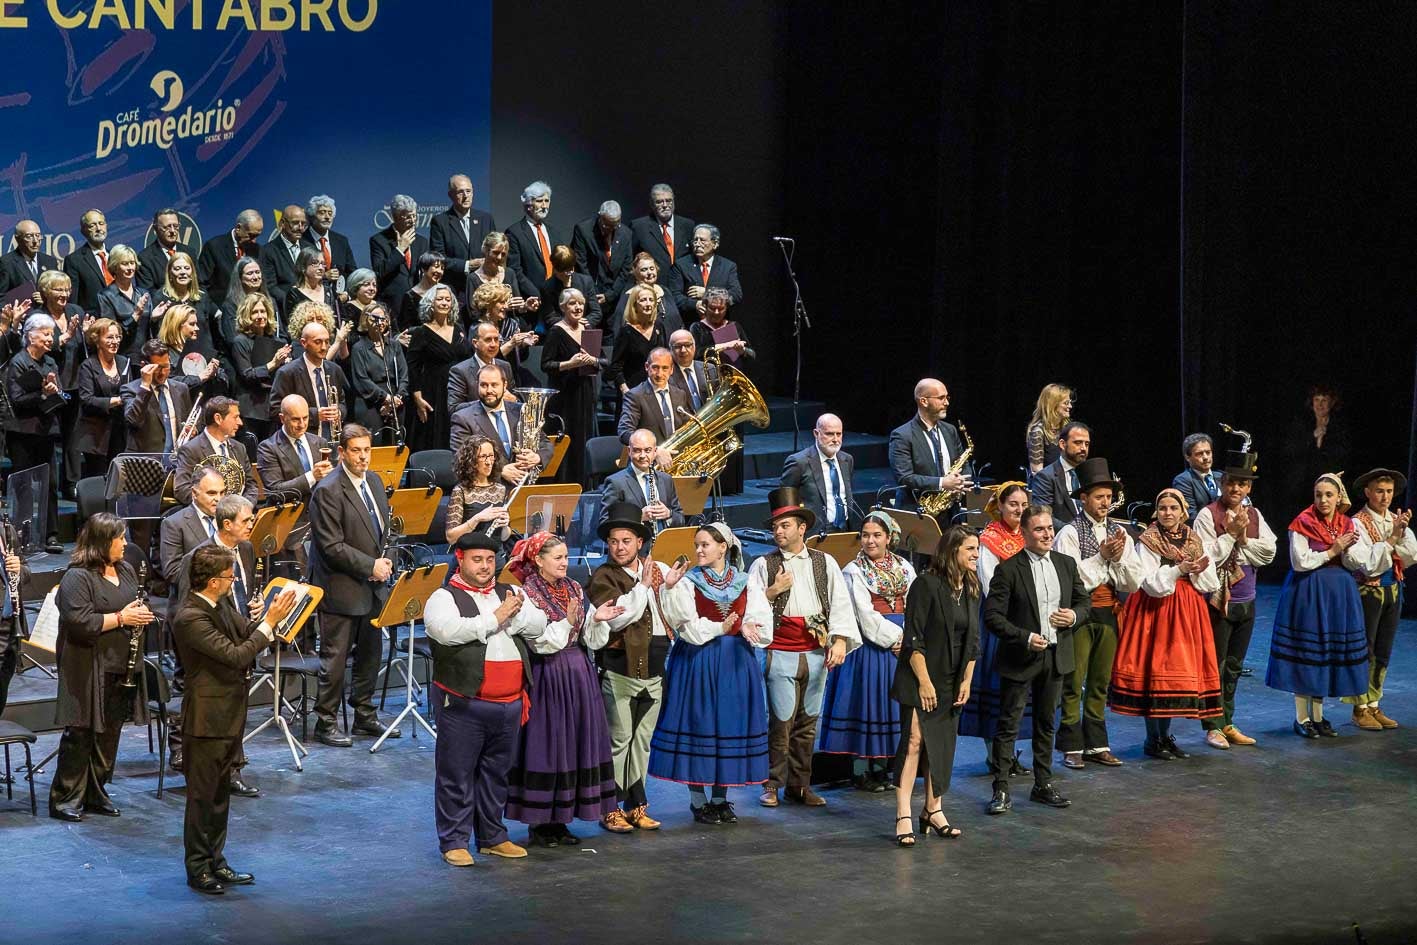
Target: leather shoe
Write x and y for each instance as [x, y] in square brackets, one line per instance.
[376, 728]
[506, 849]
[106, 809]
[705, 814]
[1048, 794]
[1325, 728]
[175, 762]
[229, 877]
[769, 798]
[1157, 750]
[1364, 719]
[805, 796]
[458, 858]
[206, 883]
[72, 814]
[1000, 802]
[1383, 720]
[1216, 739]
[1236, 737]
[333, 737]
[53, 545]
[1104, 758]
[1174, 748]
[241, 789]
[1306, 729]
[1072, 759]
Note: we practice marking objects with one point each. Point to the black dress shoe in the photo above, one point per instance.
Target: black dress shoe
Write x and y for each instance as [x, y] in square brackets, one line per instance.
[1048, 794]
[333, 737]
[72, 814]
[206, 883]
[707, 814]
[1306, 729]
[53, 545]
[1174, 748]
[1158, 750]
[175, 761]
[725, 812]
[1000, 803]
[106, 809]
[229, 877]
[1017, 768]
[1325, 728]
[241, 789]
[376, 728]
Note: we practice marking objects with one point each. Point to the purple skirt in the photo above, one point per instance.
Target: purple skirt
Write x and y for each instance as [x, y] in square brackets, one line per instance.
[564, 772]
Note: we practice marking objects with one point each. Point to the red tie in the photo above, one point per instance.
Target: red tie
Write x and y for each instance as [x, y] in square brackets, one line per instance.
[325, 248]
[703, 268]
[609, 248]
[668, 241]
[240, 253]
[408, 259]
[545, 250]
[103, 264]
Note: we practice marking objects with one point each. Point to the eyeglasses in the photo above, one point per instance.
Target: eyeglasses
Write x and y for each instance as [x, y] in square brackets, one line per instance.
[683, 344]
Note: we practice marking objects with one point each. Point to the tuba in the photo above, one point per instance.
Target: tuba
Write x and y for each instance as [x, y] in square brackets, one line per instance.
[704, 441]
[529, 436]
[937, 503]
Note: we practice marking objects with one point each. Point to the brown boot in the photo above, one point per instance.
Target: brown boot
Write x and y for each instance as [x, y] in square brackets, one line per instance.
[1377, 715]
[1363, 718]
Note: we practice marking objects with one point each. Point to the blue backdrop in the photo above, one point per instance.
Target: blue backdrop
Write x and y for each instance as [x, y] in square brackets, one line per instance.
[131, 105]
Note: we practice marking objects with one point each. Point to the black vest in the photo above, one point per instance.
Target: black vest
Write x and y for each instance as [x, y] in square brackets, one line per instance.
[460, 667]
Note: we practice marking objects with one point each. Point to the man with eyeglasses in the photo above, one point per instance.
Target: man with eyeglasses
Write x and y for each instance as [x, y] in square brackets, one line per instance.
[704, 269]
[923, 449]
[167, 242]
[279, 255]
[663, 234]
[25, 262]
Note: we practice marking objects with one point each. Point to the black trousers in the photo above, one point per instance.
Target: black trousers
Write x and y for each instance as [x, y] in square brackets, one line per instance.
[34, 449]
[208, 763]
[340, 633]
[85, 765]
[1232, 631]
[9, 659]
[1046, 688]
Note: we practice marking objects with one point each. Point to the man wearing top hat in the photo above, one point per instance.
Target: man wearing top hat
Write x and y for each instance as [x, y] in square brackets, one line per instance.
[814, 627]
[630, 650]
[1384, 549]
[1109, 567]
[1238, 540]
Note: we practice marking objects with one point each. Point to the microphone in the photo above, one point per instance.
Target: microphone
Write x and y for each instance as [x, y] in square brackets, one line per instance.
[782, 239]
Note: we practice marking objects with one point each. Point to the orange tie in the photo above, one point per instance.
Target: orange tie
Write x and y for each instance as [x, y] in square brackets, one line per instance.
[703, 268]
[668, 241]
[408, 259]
[240, 253]
[103, 264]
[325, 248]
[545, 250]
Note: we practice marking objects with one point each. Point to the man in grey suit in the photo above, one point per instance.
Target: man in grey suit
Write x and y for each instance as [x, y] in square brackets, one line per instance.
[291, 462]
[632, 484]
[1055, 484]
[1198, 481]
[821, 473]
[462, 377]
[154, 409]
[923, 449]
[653, 404]
[221, 417]
[492, 416]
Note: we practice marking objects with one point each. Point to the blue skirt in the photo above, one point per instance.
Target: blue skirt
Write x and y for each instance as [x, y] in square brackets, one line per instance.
[980, 716]
[713, 727]
[1319, 646]
[858, 715]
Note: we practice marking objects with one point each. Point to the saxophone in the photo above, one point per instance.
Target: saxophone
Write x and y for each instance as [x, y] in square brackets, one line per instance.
[935, 504]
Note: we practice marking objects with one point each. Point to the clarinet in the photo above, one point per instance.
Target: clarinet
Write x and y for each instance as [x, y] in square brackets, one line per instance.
[16, 605]
[135, 640]
[652, 494]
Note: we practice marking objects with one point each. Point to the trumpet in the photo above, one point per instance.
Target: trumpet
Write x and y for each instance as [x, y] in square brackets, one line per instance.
[332, 397]
[189, 426]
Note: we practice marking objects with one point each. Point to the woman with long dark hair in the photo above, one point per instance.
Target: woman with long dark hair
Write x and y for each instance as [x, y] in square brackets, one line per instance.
[477, 497]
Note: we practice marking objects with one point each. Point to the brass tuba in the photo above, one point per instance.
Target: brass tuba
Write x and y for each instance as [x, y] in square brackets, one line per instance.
[703, 442]
[937, 503]
[528, 437]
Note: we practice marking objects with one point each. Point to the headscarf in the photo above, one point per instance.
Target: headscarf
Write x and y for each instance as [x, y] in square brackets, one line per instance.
[885, 578]
[553, 597]
[523, 560]
[991, 508]
[1180, 545]
[1315, 527]
[727, 586]
[891, 526]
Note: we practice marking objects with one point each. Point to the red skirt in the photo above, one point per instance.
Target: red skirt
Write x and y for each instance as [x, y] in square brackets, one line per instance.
[1165, 665]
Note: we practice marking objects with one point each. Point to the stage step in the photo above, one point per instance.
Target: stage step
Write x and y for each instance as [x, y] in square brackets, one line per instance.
[764, 453]
[780, 411]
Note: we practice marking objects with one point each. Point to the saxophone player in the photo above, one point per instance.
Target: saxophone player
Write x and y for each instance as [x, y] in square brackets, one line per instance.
[643, 486]
[924, 449]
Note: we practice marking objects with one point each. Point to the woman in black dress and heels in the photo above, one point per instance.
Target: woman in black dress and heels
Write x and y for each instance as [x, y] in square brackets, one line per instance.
[932, 678]
[434, 347]
[562, 358]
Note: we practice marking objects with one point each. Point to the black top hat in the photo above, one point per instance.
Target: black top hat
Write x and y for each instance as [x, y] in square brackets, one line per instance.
[624, 515]
[1093, 472]
[1241, 465]
[470, 540]
[1399, 481]
[786, 501]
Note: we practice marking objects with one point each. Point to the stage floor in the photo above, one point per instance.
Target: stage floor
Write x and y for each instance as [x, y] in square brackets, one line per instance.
[1292, 841]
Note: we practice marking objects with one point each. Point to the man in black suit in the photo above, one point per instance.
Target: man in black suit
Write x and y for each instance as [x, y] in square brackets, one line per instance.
[291, 463]
[394, 252]
[603, 251]
[313, 378]
[1055, 483]
[349, 519]
[219, 254]
[1198, 481]
[167, 242]
[217, 644]
[663, 235]
[458, 233]
[25, 262]
[531, 239]
[496, 418]
[690, 375]
[279, 255]
[632, 485]
[221, 418]
[462, 377]
[653, 404]
[821, 473]
[923, 449]
[704, 269]
[153, 408]
[1035, 600]
[334, 247]
[87, 265]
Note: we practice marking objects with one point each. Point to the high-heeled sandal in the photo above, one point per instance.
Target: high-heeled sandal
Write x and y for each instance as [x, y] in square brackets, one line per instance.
[947, 832]
[906, 839]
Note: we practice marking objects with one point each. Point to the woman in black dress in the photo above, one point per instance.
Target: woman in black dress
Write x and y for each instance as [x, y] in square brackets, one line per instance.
[102, 434]
[310, 282]
[378, 372]
[125, 302]
[936, 664]
[181, 331]
[434, 347]
[430, 273]
[491, 303]
[256, 354]
[562, 358]
[641, 334]
[478, 496]
[180, 285]
[717, 301]
[645, 271]
[98, 614]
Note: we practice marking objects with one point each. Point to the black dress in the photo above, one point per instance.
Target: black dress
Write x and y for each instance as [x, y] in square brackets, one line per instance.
[574, 401]
[112, 303]
[101, 433]
[429, 360]
[251, 356]
[946, 632]
[373, 375]
[627, 361]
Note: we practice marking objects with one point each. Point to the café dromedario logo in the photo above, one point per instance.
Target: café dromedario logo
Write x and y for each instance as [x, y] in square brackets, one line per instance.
[130, 130]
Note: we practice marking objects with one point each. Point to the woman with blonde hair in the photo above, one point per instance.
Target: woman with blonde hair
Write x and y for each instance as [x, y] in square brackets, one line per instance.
[102, 434]
[642, 333]
[257, 352]
[124, 301]
[1054, 408]
[180, 330]
[645, 271]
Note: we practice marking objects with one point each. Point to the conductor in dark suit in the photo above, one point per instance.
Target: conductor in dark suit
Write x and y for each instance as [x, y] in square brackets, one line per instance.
[632, 484]
[313, 378]
[25, 262]
[822, 474]
[87, 265]
[531, 239]
[1035, 600]
[923, 449]
[662, 234]
[1055, 484]
[217, 643]
[167, 242]
[395, 250]
[603, 250]
[349, 518]
[653, 404]
[153, 408]
[221, 418]
[219, 254]
[279, 255]
[493, 416]
[291, 464]
[458, 233]
[704, 269]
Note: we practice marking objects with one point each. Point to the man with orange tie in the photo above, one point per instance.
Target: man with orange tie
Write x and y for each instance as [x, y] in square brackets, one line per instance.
[531, 239]
[87, 266]
[663, 235]
[167, 242]
[394, 250]
[220, 253]
[338, 254]
[705, 269]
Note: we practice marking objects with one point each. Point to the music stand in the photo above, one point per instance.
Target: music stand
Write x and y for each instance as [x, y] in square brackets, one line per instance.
[560, 446]
[673, 542]
[919, 533]
[292, 627]
[405, 604]
[693, 492]
[543, 505]
[842, 546]
[389, 462]
[416, 508]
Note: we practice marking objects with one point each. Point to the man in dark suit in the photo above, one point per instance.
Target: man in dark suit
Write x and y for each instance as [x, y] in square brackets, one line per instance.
[653, 404]
[315, 379]
[349, 519]
[603, 251]
[690, 375]
[496, 418]
[704, 269]
[923, 449]
[662, 234]
[462, 377]
[25, 262]
[1197, 482]
[153, 408]
[1055, 484]
[279, 255]
[394, 252]
[217, 644]
[1035, 600]
[458, 233]
[291, 464]
[221, 418]
[87, 265]
[219, 254]
[632, 485]
[167, 242]
[334, 247]
[531, 239]
[821, 473]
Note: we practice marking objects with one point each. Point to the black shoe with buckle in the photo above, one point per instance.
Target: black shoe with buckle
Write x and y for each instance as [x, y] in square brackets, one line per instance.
[1325, 728]
[1306, 729]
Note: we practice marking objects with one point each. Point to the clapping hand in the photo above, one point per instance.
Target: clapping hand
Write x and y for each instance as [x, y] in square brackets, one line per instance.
[608, 611]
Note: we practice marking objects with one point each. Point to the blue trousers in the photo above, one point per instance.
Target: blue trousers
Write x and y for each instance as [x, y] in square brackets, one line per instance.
[476, 748]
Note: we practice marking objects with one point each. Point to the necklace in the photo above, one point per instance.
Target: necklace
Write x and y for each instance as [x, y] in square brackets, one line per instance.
[719, 582]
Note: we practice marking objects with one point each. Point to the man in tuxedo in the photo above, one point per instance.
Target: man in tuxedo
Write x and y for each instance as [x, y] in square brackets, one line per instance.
[349, 519]
[167, 242]
[923, 449]
[279, 255]
[1198, 481]
[689, 375]
[462, 377]
[1055, 484]
[221, 418]
[603, 251]
[1035, 600]
[662, 234]
[458, 233]
[218, 643]
[394, 251]
[219, 254]
[632, 484]
[821, 473]
[653, 404]
[87, 265]
[334, 247]
[25, 262]
[531, 239]
[493, 416]
[704, 269]
[313, 378]
[291, 463]
[153, 408]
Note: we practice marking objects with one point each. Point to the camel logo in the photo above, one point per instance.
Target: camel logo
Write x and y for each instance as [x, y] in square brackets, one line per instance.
[168, 84]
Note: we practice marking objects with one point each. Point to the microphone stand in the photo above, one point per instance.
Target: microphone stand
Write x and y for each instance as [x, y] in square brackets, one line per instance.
[799, 320]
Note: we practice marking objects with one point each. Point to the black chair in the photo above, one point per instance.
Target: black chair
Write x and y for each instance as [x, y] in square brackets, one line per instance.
[159, 695]
[91, 495]
[295, 663]
[602, 453]
[437, 462]
[13, 733]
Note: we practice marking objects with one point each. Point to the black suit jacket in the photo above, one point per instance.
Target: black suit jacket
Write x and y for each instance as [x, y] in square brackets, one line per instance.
[84, 270]
[181, 531]
[141, 413]
[217, 645]
[914, 462]
[723, 274]
[524, 251]
[341, 252]
[1191, 484]
[1050, 488]
[678, 380]
[394, 276]
[152, 263]
[610, 276]
[1011, 614]
[247, 573]
[284, 476]
[96, 413]
[113, 304]
[473, 420]
[279, 270]
[344, 545]
[14, 272]
[642, 410]
[647, 237]
[462, 382]
[803, 469]
[445, 236]
[626, 486]
[190, 455]
[218, 261]
[292, 378]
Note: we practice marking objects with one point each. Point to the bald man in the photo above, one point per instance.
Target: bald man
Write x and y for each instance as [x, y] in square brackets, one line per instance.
[278, 256]
[924, 448]
[821, 473]
[25, 262]
[689, 375]
[314, 379]
[291, 460]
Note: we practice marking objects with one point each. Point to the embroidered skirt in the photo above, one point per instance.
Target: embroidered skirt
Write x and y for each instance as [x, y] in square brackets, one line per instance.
[1165, 665]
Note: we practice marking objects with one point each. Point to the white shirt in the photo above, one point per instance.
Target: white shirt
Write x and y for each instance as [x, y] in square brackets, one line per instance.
[446, 624]
[1160, 576]
[1256, 552]
[876, 627]
[689, 627]
[1124, 574]
[265, 629]
[931, 435]
[1045, 588]
[293, 249]
[217, 445]
[802, 599]
[1374, 559]
[295, 444]
[597, 634]
[832, 497]
[324, 368]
